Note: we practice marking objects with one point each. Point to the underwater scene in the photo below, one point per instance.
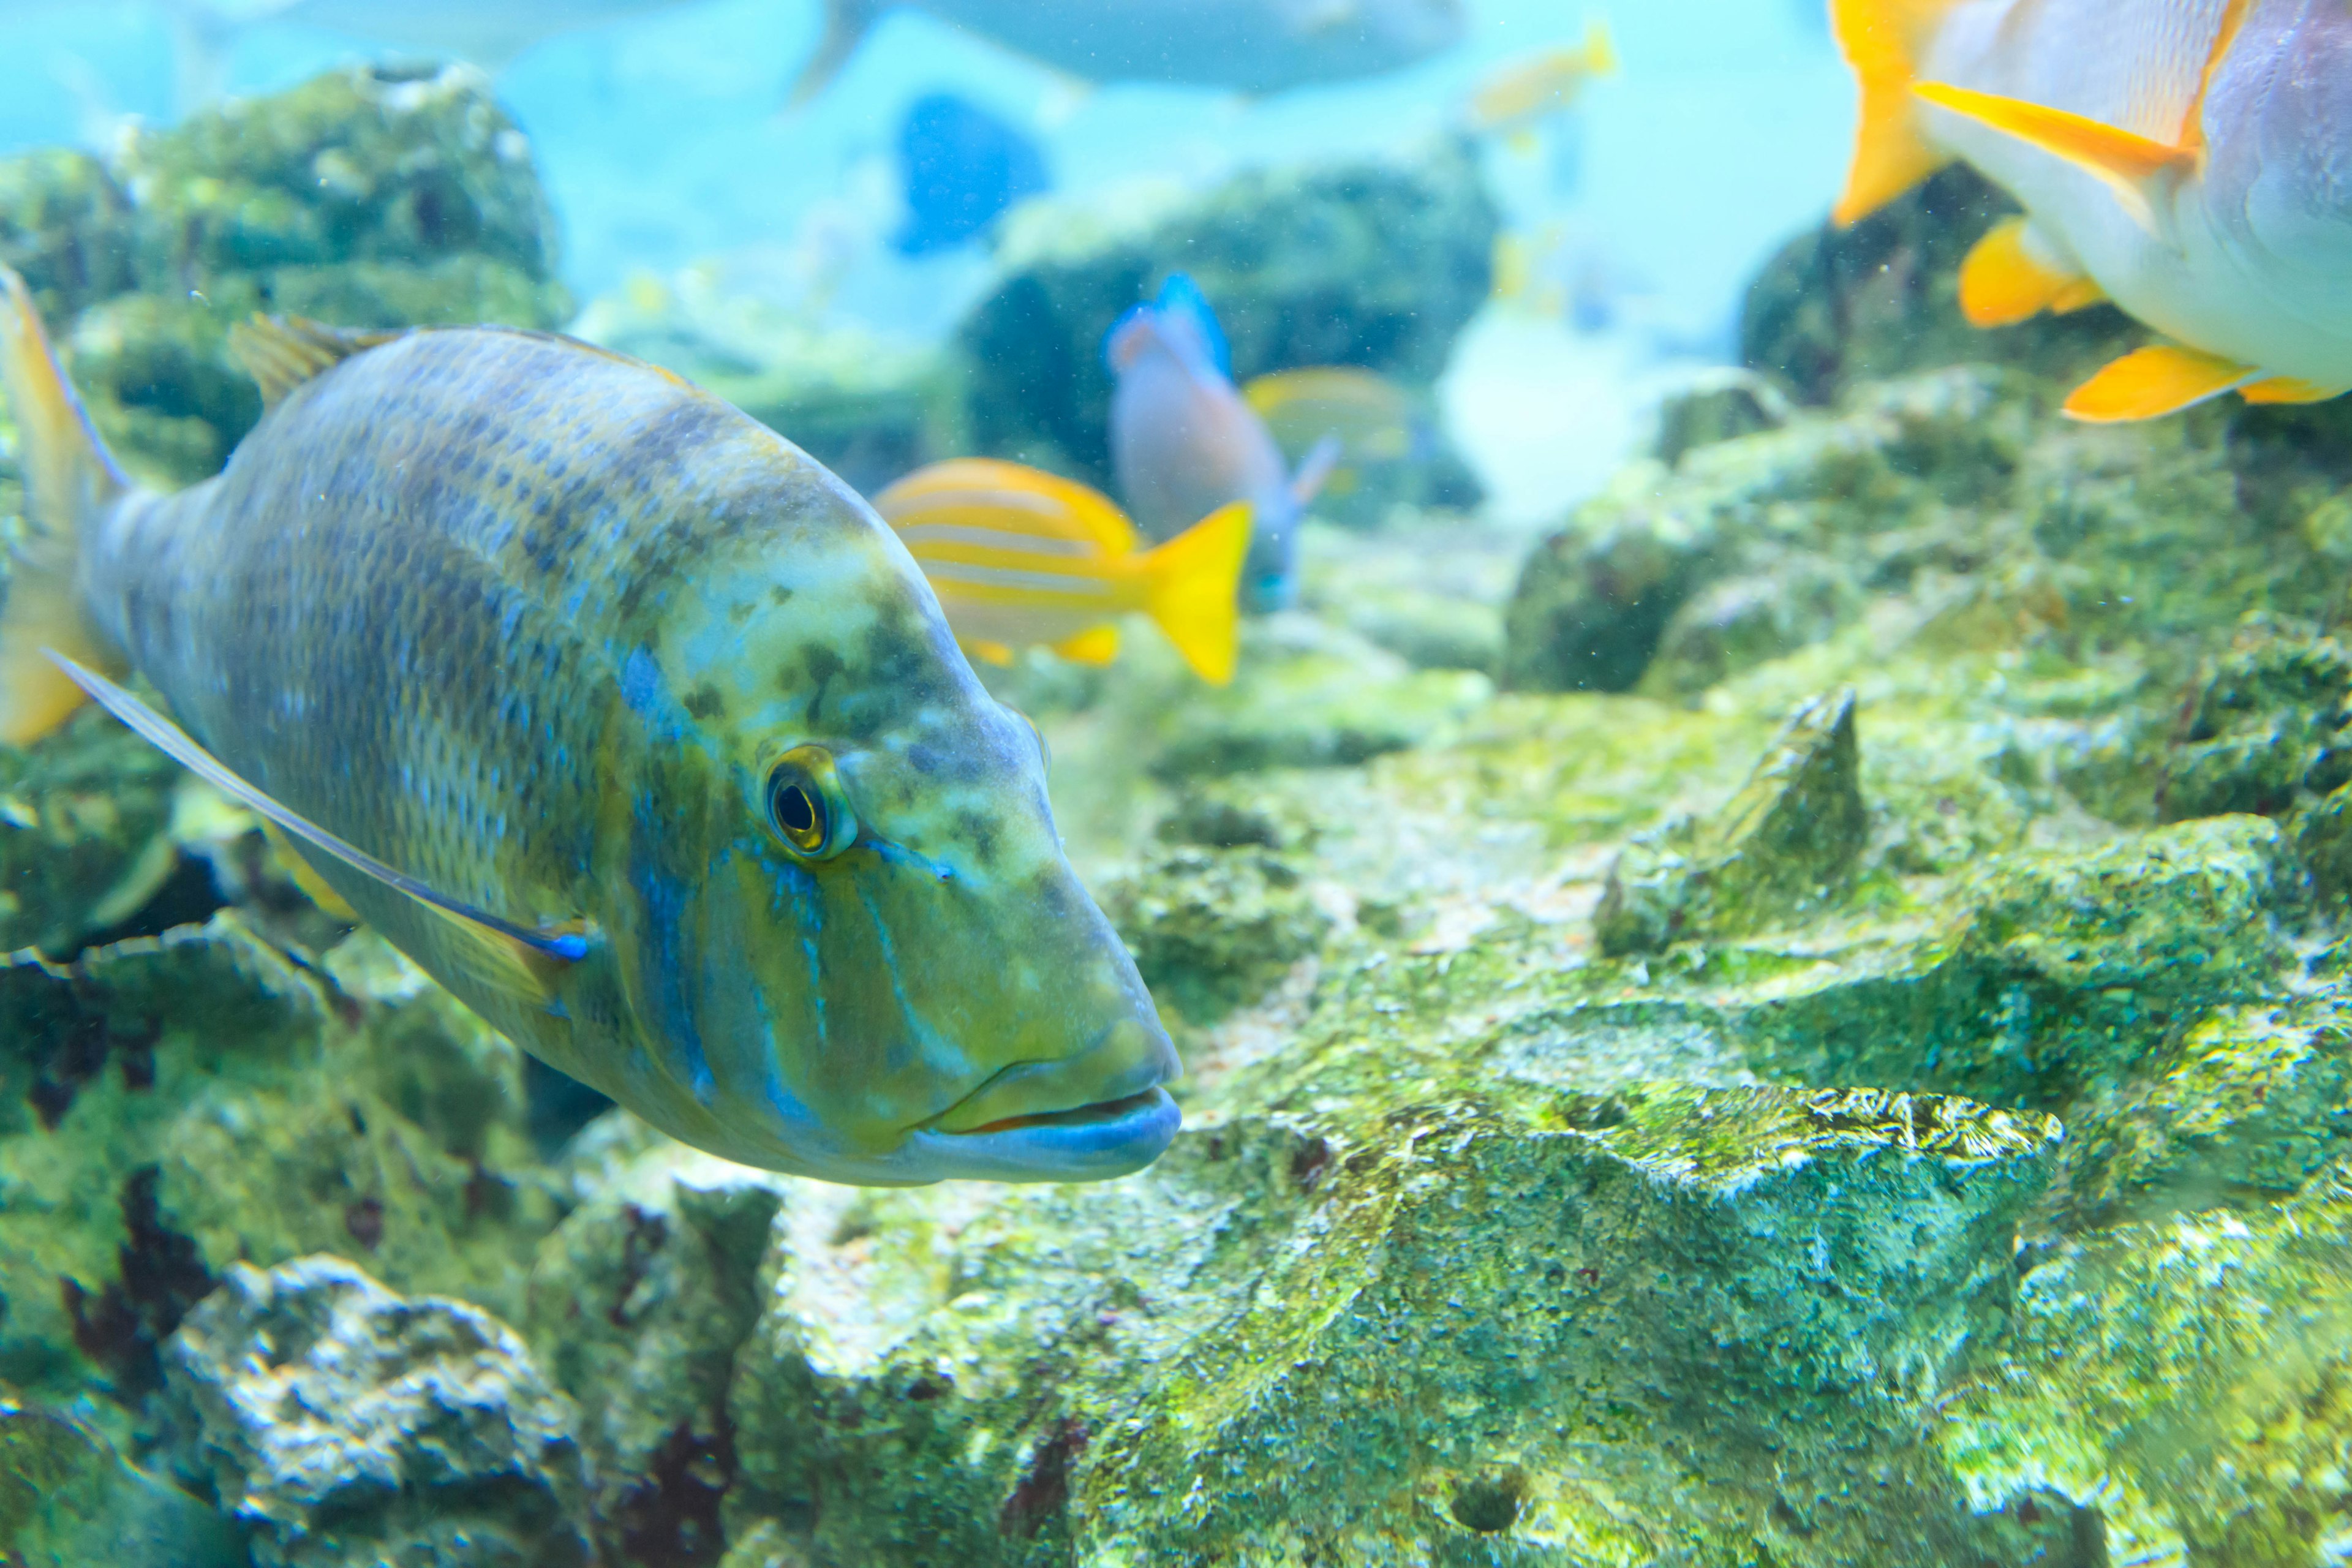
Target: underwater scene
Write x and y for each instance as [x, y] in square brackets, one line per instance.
[1090, 784]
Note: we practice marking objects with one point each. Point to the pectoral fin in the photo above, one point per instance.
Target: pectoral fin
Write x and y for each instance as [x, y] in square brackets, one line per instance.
[2127, 162]
[520, 962]
[2158, 380]
[2288, 389]
[2003, 280]
[1098, 645]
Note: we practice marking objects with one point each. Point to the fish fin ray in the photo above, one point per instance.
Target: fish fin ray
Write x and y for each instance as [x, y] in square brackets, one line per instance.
[281, 352]
[1192, 586]
[1315, 470]
[2289, 389]
[305, 875]
[2129, 163]
[846, 22]
[2002, 281]
[1095, 644]
[2150, 382]
[550, 949]
[1882, 41]
[70, 480]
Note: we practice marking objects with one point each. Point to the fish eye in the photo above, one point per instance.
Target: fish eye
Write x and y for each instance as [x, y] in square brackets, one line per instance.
[804, 804]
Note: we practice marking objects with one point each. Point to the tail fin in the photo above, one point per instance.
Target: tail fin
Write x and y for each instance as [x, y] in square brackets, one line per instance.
[846, 22]
[68, 481]
[1600, 47]
[1882, 41]
[1192, 586]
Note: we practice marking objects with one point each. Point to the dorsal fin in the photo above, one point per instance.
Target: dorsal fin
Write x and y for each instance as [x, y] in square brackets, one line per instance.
[281, 352]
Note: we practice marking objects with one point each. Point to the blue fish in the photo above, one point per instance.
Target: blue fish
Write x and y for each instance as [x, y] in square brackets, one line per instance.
[962, 167]
[1184, 442]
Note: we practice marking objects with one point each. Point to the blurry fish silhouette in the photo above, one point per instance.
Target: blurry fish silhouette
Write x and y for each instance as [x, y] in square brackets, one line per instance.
[625, 719]
[960, 168]
[1368, 420]
[1513, 99]
[1250, 45]
[1184, 443]
[2191, 160]
[1019, 557]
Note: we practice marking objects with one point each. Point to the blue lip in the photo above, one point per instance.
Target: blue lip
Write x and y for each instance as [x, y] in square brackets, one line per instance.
[1089, 1144]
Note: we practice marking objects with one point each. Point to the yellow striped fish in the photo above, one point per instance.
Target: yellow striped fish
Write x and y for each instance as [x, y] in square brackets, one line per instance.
[1020, 557]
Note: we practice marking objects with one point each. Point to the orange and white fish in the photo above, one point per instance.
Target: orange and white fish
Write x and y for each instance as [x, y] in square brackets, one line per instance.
[1020, 557]
[2191, 160]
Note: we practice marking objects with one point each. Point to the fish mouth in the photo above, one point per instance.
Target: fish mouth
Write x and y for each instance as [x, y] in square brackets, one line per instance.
[1100, 1113]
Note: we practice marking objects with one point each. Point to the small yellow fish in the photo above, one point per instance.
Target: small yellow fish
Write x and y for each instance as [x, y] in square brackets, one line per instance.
[1368, 420]
[1018, 557]
[1516, 96]
[2191, 160]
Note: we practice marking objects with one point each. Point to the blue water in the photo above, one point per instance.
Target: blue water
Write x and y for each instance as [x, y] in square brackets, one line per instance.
[662, 139]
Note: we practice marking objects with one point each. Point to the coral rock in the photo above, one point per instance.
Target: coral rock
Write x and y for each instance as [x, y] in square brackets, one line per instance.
[347, 1425]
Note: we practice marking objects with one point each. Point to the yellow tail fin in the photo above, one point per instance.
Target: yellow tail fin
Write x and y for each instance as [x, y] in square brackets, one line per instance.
[1882, 41]
[1600, 47]
[1192, 583]
[68, 479]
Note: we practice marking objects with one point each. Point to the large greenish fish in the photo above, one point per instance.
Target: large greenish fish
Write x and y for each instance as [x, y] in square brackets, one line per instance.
[624, 717]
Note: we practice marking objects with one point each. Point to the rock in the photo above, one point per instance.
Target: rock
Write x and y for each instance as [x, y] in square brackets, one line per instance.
[1788, 842]
[86, 837]
[1663, 1306]
[367, 196]
[346, 1425]
[64, 228]
[2173, 1390]
[1376, 263]
[68, 1500]
[168, 1108]
[2261, 733]
[870, 409]
[1719, 405]
[1802, 521]
[640, 1299]
[1213, 929]
[1838, 306]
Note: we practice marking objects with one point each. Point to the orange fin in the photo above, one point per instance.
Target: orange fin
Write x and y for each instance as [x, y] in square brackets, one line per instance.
[1193, 583]
[1882, 41]
[2127, 162]
[989, 652]
[2158, 380]
[70, 483]
[2004, 281]
[1098, 644]
[2289, 389]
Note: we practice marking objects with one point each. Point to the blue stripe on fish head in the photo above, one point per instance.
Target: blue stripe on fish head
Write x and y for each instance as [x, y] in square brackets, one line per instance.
[878, 980]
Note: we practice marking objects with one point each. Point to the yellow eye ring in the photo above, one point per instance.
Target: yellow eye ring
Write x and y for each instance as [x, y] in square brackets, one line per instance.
[805, 806]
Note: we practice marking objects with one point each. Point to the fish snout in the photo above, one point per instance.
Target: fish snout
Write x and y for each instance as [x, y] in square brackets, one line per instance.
[1104, 1112]
[1129, 1058]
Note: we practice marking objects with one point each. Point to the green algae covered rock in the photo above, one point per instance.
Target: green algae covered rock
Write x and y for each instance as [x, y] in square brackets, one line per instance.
[170, 1107]
[68, 1500]
[1212, 929]
[1786, 843]
[1377, 263]
[371, 196]
[1383, 1339]
[640, 1299]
